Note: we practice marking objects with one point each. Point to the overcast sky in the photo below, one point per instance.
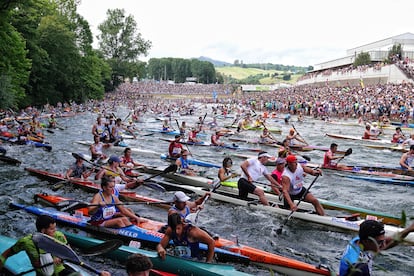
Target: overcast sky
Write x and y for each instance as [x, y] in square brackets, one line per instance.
[290, 32]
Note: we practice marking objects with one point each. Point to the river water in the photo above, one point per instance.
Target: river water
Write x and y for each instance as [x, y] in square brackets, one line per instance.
[300, 240]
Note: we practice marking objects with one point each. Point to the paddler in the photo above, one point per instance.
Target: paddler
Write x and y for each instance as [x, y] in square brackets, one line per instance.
[79, 169]
[38, 257]
[254, 168]
[225, 173]
[107, 209]
[182, 164]
[97, 148]
[128, 163]
[406, 160]
[329, 157]
[175, 148]
[293, 189]
[292, 136]
[359, 254]
[398, 136]
[113, 170]
[266, 137]
[215, 139]
[186, 238]
[368, 134]
[183, 206]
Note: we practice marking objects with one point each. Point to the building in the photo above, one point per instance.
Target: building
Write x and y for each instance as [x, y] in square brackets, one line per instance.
[335, 71]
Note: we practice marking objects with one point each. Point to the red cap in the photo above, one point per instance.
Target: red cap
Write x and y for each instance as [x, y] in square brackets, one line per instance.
[291, 159]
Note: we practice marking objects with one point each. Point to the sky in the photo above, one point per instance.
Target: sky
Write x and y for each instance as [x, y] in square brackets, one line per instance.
[290, 32]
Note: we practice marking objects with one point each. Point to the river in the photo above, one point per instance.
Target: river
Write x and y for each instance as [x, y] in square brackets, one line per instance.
[300, 240]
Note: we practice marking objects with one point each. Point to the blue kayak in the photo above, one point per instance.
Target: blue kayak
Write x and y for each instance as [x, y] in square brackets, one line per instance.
[381, 180]
[15, 141]
[132, 232]
[19, 264]
[192, 161]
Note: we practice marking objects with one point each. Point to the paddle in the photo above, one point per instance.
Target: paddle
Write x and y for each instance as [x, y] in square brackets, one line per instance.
[299, 134]
[171, 168]
[71, 205]
[347, 152]
[279, 231]
[60, 250]
[193, 217]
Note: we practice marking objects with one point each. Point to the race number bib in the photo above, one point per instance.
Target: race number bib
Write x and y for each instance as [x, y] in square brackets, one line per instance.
[108, 212]
[182, 251]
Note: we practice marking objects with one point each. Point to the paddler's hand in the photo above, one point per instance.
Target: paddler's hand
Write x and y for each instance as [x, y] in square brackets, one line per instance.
[161, 252]
[317, 172]
[294, 208]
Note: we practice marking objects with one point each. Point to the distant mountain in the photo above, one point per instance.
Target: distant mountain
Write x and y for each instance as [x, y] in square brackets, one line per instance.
[216, 63]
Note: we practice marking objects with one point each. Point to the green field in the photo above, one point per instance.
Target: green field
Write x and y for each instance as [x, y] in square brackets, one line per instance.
[242, 73]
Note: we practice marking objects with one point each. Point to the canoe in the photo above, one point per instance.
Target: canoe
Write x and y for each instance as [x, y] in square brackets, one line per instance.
[20, 263]
[192, 161]
[357, 138]
[146, 232]
[15, 141]
[276, 262]
[9, 160]
[340, 222]
[171, 263]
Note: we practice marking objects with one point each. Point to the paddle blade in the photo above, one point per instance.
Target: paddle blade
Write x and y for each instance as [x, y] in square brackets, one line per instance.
[55, 247]
[78, 155]
[102, 248]
[348, 152]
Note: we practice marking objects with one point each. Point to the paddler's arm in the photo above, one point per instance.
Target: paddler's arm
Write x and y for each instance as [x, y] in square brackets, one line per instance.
[164, 243]
[402, 162]
[286, 187]
[202, 236]
[399, 237]
[276, 187]
[311, 171]
[244, 166]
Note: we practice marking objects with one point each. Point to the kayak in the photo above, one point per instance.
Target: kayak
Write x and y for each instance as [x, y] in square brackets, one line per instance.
[91, 186]
[172, 132]
[16, 141]
[192, 161]
[341, 222]
[19, 264]
[10, 160]
[277, 262]
[228, 186]
[392, 148]
[381, 180]
[225, 146]
[146, 232]
[359, 138]
[171, 264]
[121, 148]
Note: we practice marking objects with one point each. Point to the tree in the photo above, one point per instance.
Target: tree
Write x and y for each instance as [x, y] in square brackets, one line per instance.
[14, 64]
[120, 43]
[362, 59]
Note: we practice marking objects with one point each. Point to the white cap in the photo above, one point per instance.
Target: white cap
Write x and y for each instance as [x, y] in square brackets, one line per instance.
[264, 154]
[181, 197]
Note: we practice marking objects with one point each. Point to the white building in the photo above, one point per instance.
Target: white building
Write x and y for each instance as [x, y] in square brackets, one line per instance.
[378, 52]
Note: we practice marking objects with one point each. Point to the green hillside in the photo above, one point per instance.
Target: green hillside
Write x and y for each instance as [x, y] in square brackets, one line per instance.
[240, 73]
